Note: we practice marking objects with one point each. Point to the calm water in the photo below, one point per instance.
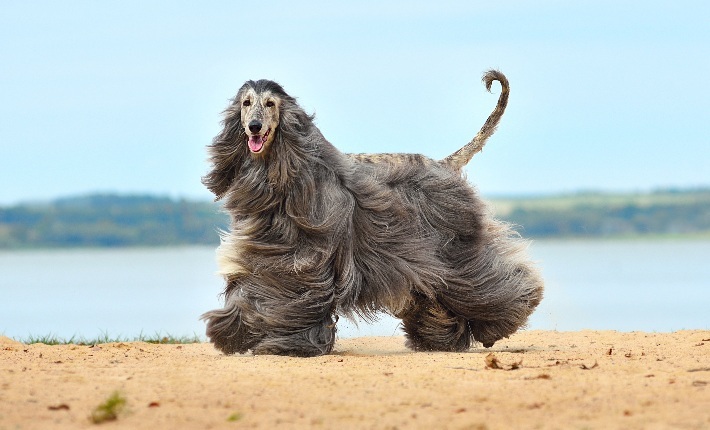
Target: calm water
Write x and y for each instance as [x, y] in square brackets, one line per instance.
[643, 285]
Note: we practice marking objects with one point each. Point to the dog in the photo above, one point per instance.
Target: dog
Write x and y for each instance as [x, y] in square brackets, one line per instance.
[316, 234]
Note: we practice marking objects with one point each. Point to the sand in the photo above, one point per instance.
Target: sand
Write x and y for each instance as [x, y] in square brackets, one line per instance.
[535, 379]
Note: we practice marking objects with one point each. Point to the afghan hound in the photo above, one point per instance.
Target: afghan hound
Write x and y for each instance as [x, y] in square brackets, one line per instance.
[316, 234]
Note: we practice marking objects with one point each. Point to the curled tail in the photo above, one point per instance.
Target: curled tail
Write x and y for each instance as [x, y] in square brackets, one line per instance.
[460, 158]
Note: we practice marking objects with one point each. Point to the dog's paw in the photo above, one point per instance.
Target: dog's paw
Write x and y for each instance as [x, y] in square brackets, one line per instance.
[266, 349]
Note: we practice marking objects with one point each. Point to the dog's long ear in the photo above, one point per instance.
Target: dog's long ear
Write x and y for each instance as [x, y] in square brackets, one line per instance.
[226, 152]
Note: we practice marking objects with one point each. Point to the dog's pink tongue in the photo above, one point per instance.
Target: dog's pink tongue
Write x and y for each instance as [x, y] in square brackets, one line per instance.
[256, 143]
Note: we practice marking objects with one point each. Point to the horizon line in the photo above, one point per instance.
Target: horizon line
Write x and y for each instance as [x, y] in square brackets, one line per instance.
[492, 196]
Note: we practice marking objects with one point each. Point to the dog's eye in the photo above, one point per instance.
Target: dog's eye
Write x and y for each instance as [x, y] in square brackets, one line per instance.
[270, 104]
[246, 103]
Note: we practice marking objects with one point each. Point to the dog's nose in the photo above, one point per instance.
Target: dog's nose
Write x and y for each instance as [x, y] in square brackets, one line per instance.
[255, 126]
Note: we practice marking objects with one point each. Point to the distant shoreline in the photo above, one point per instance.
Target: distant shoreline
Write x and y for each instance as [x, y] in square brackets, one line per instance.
[122, 221]
[701, 237]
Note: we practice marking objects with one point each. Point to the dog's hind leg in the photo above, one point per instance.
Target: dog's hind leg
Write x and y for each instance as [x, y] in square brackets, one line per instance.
[527, 288]
[429, 326]
[497, 287]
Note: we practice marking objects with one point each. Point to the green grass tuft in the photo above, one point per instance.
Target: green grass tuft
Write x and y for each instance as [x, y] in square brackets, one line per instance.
[236, 416]
[157, 338]
[108, 410]
[49, 339]
[168, 339]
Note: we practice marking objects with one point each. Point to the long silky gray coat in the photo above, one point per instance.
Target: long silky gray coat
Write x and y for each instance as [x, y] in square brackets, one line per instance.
[316, 234]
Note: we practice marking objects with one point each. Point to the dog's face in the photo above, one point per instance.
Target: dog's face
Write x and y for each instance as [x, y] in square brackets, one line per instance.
[257, 122]
[260, 118]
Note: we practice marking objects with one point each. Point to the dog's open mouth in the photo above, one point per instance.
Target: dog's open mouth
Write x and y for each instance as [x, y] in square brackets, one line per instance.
[256, 142]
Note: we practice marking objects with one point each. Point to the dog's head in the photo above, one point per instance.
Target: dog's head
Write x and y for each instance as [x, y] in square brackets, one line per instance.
[260, 118]
[259, 103]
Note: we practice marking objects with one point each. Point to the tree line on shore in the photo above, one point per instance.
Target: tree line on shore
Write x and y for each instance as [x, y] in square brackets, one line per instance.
[669, 213]
[110, 220]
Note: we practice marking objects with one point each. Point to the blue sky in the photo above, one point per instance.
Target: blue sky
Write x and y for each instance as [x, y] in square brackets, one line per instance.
[124, 96]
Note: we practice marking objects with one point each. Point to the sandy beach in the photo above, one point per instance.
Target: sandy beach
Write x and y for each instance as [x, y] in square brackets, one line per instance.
[535, 379]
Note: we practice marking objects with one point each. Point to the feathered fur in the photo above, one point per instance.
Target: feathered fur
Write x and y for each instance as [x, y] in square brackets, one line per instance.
[316, 234]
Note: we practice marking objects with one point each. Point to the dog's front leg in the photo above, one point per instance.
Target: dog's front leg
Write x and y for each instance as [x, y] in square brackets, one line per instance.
[318, 339]
[296, 321]
[228, 328]
[270, 316]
